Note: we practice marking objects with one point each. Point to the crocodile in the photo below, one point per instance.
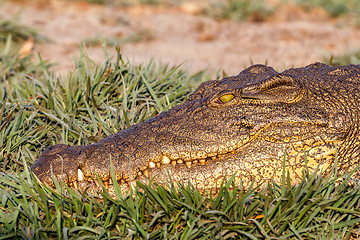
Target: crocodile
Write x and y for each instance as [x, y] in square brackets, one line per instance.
[249, 126]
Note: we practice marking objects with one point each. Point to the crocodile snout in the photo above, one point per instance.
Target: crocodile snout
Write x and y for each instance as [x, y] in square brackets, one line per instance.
[59, 160]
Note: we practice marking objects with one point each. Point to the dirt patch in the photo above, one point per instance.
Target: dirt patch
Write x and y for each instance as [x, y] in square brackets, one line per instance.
[178, 35]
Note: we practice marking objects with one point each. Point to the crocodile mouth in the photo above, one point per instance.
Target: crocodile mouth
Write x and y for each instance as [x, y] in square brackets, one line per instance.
[145, 171]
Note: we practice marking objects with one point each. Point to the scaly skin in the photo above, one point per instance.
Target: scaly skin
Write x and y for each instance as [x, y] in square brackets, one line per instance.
[243, 124]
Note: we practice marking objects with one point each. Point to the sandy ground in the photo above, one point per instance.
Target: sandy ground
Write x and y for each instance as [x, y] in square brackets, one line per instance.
[175, 35]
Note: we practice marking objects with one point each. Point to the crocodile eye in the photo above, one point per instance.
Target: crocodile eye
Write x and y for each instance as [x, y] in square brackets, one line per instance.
[226, 98]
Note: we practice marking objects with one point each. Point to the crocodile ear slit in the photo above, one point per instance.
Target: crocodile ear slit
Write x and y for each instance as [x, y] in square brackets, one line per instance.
[282, 88]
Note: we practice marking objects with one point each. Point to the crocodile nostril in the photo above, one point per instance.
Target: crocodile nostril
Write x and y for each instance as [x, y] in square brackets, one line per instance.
[36, 169]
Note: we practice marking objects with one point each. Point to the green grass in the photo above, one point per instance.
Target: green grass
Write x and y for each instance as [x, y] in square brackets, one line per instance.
[351, 57]
[14, 62]
[239, 10]
[141, 35]
[258, 10]
[14, 65]
[11, 27]
[335, 8]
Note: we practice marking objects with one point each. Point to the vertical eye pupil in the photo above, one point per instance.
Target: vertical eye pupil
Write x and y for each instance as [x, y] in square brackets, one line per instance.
[226, 98]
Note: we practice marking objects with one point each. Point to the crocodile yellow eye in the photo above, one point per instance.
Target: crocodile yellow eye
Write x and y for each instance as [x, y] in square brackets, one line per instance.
[226, 98]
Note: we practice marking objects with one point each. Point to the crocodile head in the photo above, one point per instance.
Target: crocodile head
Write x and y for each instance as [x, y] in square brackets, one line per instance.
[245, 124]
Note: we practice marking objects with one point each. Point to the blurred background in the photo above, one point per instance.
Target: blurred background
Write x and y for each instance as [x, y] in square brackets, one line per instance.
[217, 35]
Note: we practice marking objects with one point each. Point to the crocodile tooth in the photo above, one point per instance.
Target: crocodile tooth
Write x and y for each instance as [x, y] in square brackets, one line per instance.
[75, 185]
[158, 165]
[165, 160]
[195, 161]
[232, 152]
[146, 173]
[106, 184]
[180, 161]
[188, 164]
[151, 165]
[110, 181]
[80, 175]
[139, 173]
[213, 158]
[173, 163]
[202, 161]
